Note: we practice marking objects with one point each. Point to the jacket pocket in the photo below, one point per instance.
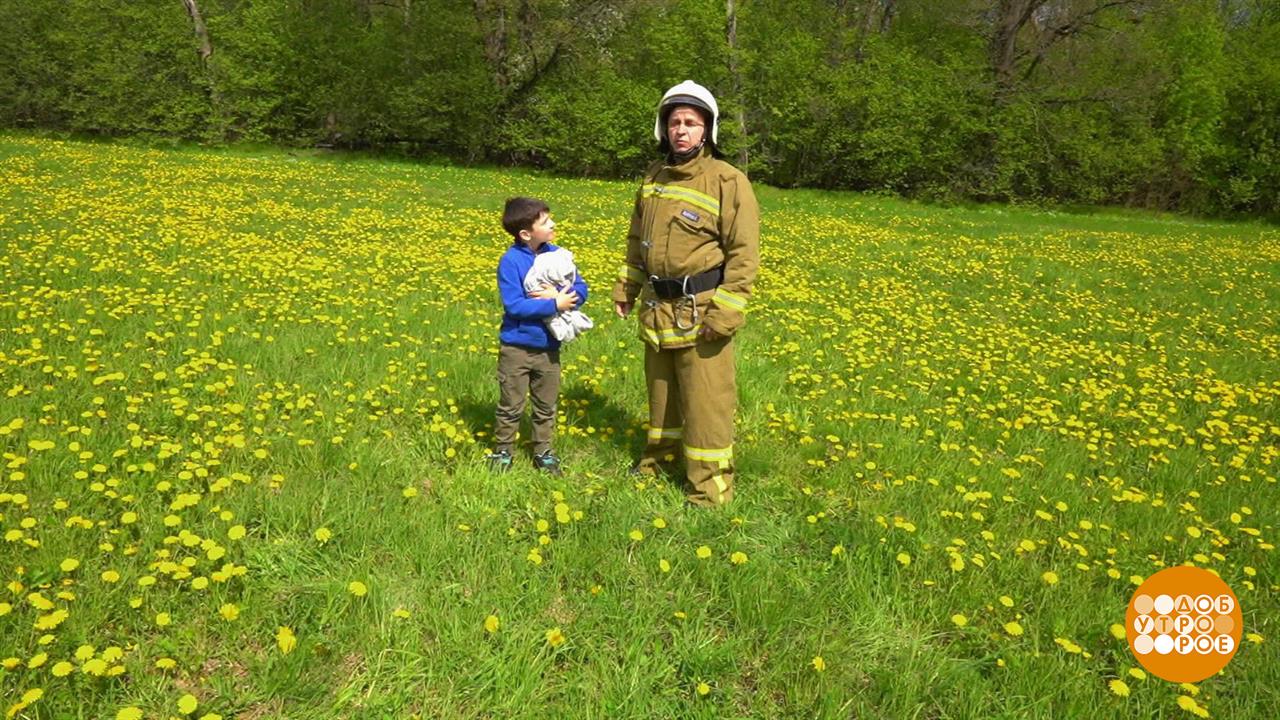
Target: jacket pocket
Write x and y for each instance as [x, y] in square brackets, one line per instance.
[687, 230]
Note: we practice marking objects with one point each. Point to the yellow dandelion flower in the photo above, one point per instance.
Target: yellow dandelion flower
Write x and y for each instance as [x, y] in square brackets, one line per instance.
[62, 669]
[1117, 631]
[837, 550]
[52, 620]
[1013, 628]
[37, 660]
[904, 559]
[229, 612]
[1137, 674]
[163, 619]
[738, 558]
[491, 624]
[959, 620]
[166, 663]
[703, 688]
[1189, 704]
[110, 576]
[1119, 688]
[818, 663]
[285, 639]
[129, 713]
[659, 523]
[1050, 577]
[664, 566]
[636, 535]
[703, 552]
[69, 565]
[187, 704]
[323, 535]
[400, 613]
[357, 588]
[1006, 601]
[84, 652]
[555, 638]
[236, 532]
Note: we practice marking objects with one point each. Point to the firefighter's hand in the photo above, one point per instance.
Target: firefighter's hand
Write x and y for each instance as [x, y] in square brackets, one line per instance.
[565, 299]
[623, 309]
[709, 334]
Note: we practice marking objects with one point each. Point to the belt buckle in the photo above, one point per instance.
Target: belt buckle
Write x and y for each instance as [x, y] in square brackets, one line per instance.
[686, 297]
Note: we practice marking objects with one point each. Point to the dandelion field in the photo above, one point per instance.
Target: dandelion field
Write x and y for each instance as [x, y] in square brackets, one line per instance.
[247, 394]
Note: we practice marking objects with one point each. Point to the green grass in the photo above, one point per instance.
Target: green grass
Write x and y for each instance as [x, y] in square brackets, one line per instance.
[310, 342]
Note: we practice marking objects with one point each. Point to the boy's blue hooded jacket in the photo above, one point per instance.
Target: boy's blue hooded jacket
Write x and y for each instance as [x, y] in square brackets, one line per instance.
[522, 317]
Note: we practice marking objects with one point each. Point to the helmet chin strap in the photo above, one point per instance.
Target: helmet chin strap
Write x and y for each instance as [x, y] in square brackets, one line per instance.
[690, 153]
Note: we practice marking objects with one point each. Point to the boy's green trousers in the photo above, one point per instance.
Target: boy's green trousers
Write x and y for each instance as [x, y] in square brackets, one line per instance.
[535, 374]
[692, 399]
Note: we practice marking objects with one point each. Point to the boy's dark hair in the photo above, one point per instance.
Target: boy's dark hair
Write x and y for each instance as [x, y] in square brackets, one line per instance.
[521, 213]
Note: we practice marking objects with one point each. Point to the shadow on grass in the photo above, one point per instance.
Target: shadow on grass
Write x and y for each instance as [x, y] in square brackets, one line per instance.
[582, 408]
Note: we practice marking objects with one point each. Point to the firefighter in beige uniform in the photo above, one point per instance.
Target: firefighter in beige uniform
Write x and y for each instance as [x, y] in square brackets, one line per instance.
[692, 256]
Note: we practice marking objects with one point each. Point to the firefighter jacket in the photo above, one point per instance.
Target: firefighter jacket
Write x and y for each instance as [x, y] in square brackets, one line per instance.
[691, 218]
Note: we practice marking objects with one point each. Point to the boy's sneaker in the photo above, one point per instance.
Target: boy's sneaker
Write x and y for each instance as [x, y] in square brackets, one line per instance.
[499, 461]
[548, 463]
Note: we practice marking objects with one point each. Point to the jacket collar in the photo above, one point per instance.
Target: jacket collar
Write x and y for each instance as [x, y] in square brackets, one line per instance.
[689, 168]
[546, 248]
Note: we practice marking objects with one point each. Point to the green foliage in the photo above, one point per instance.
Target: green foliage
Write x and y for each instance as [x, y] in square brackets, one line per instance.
[1157, 104]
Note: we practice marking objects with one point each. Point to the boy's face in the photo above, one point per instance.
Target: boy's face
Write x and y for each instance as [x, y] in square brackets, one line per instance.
[542, 232]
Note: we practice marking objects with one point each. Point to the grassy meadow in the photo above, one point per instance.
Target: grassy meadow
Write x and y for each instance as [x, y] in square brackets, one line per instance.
[247, 394]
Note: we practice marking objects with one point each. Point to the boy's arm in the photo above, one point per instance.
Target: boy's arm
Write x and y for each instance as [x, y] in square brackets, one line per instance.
[631, 275]
[580, 287]
[740, 235]
[514, 300]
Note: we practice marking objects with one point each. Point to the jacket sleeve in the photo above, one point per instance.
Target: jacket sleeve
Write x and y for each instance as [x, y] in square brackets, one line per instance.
[631, 275]
[580, 287]
[515, 302]
[740, 238]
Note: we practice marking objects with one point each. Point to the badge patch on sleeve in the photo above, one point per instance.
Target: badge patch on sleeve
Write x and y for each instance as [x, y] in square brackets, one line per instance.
[690, 215]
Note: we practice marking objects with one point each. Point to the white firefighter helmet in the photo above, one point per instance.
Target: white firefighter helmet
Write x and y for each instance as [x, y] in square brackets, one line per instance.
[692, 94]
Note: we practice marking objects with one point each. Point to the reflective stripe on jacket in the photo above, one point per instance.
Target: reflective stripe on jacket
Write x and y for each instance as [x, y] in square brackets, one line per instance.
[688, 219]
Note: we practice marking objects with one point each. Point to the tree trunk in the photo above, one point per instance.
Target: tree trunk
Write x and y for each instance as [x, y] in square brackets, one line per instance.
[1011, 16]
[495, 39]
[877, 18]
[205, 49]
[735, 75]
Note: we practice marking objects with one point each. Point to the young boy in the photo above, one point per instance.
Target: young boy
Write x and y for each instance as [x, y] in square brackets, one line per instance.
[529, 355]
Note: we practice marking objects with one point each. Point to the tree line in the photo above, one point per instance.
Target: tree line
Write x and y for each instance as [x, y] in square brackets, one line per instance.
[1170, 104]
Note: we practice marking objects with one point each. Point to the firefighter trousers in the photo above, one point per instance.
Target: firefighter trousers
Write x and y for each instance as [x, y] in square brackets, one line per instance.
[692, 401]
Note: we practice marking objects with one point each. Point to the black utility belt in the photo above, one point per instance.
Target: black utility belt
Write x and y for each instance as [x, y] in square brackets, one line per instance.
[677, 287]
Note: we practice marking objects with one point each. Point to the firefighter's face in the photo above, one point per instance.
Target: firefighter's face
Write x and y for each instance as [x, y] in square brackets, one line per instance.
[542, 232]
[685, 129]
